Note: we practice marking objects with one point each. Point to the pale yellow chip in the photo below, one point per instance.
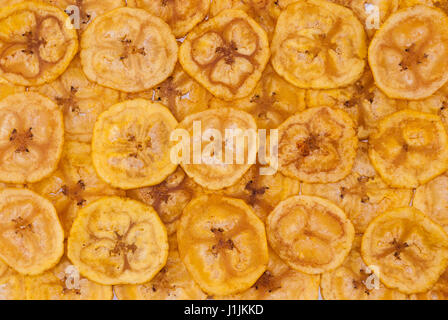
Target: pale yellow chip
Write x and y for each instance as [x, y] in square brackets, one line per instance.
[317, 145]
[222, 244]
[128, 49]
[31, 137]
[318, 44]
[36, 45]
[131, 144]
[226, 54]
[118, 241]
[409, 54]
[12, 284]
[409, 250]
[438, 292]
[31, 236]
[409, 148]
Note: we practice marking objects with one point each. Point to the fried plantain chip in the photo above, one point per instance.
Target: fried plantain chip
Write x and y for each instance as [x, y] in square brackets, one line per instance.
[438, 292]
[409, 148]
[409, 250]
[118, 241]
[226, 54]
[310, 234]
[31, 137]
[131, 144]
[128, 49]
[12, 284]
[222, 244]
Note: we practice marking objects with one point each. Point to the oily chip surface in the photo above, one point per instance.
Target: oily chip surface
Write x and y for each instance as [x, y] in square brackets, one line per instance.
[131, 144]
[318, 44]
[222, 244]
[409, 250]
[226, 54]
[118, 241]
[31, 137]
[128, 49]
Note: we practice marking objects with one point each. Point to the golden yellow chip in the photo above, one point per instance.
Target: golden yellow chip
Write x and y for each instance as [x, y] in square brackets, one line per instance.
[318, 44]
[222, 244]
[173, 282]
[353, 280]
[362, 194]
[412, 3]
[12, 284]
[31, 236]
[118, 241]
[7, 89]
[438, 292]
[310, 234]
[409, 148]
[128, 49]
[409, 251]
[226, 54]
[36, 46]
[317, 145]
[131, 144]
[409, 54]
[181, 16]
[31, 137]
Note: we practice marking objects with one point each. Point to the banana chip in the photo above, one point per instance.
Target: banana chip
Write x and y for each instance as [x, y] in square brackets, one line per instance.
[319, 45]
[128, 49]
[131, 144]
[31, 236]
[36, 46]
[12, 284]
[409, 148]
[409, 251]
[438, 292]
[317, 145]
[409, 54]
[362, 194]
[118, 241]
[310, 234]
[31, 137]
[222, 244]
[181, 15]
[226, 54]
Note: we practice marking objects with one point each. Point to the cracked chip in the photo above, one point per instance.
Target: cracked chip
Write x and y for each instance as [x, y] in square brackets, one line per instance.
[409, 148]
[36, 46]
[31, 137]
[362, 194]
[118, 241]
[128, 49]
[74, 185]
[222, 244]
[12, 284]
[317, 145]
[319, 45]
[226, 54]
[31, 235]
[310, 234]
[409, 250]
[181, 15]
[409, 54]
[131, 144]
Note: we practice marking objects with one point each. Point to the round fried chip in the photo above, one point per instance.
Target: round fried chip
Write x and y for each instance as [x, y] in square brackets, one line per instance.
[310, 234]
[12, 284]
[317, 145]
[131, 144]
[409, 251]
[31, 137]
[363, 195]
[353, 280]
[181, 15]
[222, 244]
[118, 241]
[74, 185]
[438, 292]
[318, 44]
[31, 236]
[128, 49]
[173, 282]
[226, 54]
[409, 54]
[409, 148]
[35, 44]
